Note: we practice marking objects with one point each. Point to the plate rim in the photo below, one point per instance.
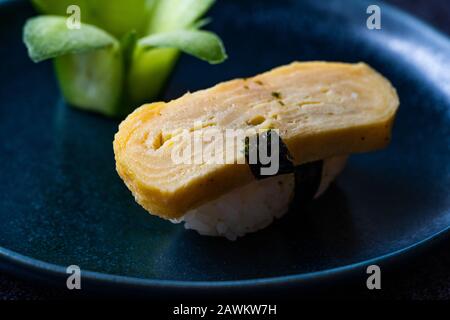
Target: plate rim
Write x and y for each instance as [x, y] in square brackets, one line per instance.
[47, 269]
[50, 269]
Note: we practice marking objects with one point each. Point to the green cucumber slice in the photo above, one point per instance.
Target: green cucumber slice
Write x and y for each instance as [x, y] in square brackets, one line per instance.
[92, 80]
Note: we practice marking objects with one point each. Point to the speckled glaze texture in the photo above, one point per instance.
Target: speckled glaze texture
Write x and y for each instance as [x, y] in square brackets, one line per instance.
[62, 202]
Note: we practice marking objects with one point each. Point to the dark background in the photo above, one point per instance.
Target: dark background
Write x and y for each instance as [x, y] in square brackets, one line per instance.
[426, 276]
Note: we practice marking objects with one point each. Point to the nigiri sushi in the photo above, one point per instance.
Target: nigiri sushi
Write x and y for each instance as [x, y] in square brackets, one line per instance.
[318, 112]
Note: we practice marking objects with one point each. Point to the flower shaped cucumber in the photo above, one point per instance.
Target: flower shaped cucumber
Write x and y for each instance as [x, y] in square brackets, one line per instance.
[123, 52]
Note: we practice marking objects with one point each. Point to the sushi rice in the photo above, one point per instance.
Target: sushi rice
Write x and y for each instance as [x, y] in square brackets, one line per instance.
[254, 206]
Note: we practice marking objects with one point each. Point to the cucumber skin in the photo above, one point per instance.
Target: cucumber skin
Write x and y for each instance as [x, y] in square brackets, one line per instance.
[98, 81]
[92, 80]
[148, 73]
[116, 17]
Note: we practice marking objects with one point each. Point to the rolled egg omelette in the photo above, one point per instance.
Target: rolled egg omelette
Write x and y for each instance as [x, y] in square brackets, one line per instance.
[321, 112]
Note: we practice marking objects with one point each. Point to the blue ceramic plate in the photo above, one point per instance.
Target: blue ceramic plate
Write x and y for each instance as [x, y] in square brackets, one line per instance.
[62, 203]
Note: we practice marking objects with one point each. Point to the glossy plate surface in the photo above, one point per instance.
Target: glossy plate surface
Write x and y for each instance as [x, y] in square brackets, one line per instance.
[61, 201]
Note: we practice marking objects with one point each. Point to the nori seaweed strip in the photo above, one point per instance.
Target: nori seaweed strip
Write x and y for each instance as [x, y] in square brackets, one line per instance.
[307, 176]
[285, 159]
[307, 181]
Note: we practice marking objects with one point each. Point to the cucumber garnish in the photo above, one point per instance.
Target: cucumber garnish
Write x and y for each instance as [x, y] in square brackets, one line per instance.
[124, 51]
